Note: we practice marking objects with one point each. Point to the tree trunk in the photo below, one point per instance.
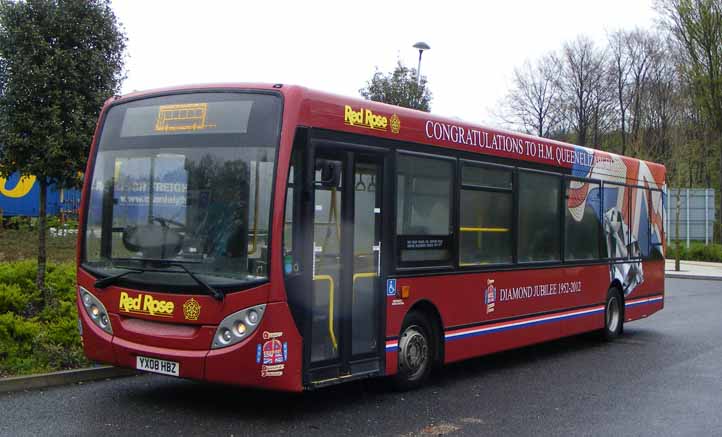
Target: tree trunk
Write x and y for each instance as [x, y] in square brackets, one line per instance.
[677, 246]
[42, 258]
[719, 195]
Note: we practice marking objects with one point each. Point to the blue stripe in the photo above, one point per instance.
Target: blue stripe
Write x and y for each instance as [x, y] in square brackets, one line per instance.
[452, 337]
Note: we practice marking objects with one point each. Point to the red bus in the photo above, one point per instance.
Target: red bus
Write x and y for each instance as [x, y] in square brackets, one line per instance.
[279, 237]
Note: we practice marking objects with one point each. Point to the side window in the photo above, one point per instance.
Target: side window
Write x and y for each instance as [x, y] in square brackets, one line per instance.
[582, 220]
[617, 219]
[423, 206]
[290, 261]
[640, 206]
[656, 228]
[539, 217]
[485, 211]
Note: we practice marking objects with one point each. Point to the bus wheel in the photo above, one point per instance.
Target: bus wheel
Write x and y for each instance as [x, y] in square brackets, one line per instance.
[613, 315]
[416, 352]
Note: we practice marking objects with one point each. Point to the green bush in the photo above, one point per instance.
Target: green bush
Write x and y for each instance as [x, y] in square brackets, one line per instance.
[32, 341]
[18, 337]
[696, 252]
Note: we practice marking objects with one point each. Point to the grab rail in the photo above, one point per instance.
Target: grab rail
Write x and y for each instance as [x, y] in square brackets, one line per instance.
[331, 332]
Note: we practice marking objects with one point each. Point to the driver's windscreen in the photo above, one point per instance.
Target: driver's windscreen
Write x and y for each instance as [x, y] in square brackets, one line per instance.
[185, 179]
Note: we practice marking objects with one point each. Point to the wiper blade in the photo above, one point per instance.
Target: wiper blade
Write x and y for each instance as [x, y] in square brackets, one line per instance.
[110, 280]
[217, 294]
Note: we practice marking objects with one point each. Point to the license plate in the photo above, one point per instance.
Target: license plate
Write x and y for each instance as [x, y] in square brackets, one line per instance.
[157, 366]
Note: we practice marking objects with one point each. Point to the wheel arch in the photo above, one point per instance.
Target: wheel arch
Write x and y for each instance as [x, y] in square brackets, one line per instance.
[617, 284]
[431, 312]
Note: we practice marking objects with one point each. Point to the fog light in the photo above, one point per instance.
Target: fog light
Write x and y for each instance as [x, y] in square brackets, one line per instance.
[252, 317]
[226, 335]
[104, 320]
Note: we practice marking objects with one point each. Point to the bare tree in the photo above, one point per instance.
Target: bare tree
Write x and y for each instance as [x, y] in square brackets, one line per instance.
[661, 107]
[620, 73]
[582, 72]
[642, 50]
[533, 102]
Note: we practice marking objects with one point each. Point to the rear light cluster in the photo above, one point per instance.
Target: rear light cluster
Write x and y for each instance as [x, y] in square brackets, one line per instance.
[238, 326]
[95, 310]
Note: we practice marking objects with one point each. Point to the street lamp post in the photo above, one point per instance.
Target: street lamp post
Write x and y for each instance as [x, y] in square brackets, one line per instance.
[421, 46]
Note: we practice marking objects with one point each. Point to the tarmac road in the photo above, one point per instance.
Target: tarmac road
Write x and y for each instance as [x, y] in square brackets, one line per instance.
[663, 377]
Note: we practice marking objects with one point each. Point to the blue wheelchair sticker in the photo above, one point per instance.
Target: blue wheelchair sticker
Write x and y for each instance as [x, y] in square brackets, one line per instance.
[391, 287]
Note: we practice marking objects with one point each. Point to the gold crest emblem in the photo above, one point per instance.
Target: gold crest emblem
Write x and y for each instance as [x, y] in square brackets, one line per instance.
[395, 124]
[191, 309]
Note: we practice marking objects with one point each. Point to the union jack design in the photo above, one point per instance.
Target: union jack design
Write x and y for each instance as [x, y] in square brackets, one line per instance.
[273, 352]
[632, 217]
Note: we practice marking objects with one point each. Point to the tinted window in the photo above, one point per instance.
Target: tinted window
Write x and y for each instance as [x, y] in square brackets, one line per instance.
[656, 231]
[640, 233]
[486, 176]
[485, 234]
[423, 205]
[583, 226]
[539, 217]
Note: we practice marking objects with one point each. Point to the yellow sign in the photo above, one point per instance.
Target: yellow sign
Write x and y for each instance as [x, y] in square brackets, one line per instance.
[191, 309]
[367, 119]
[23, 187]
[145, 304]
[182, 117]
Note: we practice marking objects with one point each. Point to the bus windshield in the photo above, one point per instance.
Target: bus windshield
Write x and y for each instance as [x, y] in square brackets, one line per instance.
[184, 179]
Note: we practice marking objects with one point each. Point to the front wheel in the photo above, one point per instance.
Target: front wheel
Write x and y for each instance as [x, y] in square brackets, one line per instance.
[416, 352]
[613, 315]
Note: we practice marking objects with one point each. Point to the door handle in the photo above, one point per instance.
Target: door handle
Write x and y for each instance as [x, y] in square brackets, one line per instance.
[377, 248]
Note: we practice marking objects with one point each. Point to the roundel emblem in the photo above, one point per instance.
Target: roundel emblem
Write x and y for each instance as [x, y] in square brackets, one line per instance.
[395, 124]
[191, 309]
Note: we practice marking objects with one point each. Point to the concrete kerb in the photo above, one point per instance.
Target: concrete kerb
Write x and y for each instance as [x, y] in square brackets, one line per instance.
[64, 377]
[678, 275]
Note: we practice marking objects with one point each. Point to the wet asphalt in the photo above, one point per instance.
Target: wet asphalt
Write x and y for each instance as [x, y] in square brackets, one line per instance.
[662, 378]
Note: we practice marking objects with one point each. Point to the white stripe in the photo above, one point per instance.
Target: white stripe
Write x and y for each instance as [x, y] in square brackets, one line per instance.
[523, 322]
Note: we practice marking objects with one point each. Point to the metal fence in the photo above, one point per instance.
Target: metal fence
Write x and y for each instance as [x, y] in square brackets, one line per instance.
[696, 215]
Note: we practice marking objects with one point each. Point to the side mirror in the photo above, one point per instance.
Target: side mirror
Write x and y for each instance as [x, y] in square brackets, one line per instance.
[330, 172]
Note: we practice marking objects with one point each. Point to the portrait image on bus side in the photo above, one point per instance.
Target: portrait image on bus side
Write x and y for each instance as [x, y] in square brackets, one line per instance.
[279, 237]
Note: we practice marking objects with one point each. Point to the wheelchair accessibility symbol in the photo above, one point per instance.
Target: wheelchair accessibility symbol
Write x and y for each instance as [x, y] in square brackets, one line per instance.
[391, 287]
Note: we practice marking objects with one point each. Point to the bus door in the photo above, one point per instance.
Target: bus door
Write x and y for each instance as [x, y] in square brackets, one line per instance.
[346, 307]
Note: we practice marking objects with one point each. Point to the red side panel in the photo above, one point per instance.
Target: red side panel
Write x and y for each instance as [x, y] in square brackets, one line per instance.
[489, 312]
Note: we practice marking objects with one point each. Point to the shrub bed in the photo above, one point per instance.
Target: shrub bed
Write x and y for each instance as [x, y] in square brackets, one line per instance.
[696, 252]
[34, 338]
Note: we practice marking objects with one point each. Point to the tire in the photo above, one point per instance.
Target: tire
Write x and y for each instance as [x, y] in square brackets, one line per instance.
[613, 315]
[417, 349]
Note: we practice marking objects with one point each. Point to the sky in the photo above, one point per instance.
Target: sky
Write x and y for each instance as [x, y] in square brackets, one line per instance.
[335, 46]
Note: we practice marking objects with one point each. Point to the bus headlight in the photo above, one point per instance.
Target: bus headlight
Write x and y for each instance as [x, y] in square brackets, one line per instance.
[95, 310]
[238, 326]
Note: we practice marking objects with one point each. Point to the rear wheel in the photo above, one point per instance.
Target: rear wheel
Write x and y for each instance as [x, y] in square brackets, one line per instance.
[416, 352]
[613, 315]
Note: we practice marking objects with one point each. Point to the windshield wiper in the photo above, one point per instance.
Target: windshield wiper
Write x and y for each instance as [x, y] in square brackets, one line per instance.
[217, 294]
[110, 280]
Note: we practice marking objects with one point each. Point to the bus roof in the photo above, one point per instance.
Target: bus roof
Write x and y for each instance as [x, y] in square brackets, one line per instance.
[329, 111]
